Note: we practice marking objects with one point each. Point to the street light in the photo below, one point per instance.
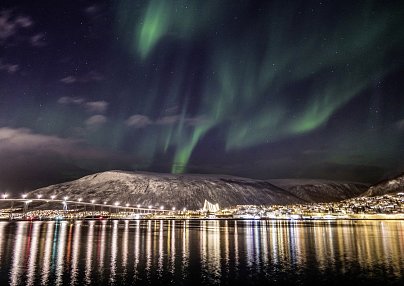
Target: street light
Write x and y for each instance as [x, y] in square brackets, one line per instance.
[24, 196]
[53, 197]
[116, 203]
[127, 205]
[80, 199]
[173, 208]
[162, 207]
[39, 196]
[5, 196]
[138, 206]
[66, 198]
[93, 201]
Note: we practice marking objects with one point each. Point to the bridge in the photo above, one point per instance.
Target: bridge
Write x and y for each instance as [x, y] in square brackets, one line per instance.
[75, 204]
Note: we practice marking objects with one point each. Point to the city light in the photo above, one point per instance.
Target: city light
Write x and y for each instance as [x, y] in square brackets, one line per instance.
[39, 196]
[24, 196]
[80, 199]
[138, 206]
[66, 198]
[360, 207]
[53, 197]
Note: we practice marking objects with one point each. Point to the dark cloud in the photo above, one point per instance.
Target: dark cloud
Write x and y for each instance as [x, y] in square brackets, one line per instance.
[70, 100]
[10, 25]
[92, 10]
[96, 121]
[141, 121]
[168, 120]
[99, 106]
[30, 160]
[9, 68]
[138, 121]
[38, 40]
[91, 76]
[18, 28]
[172, 109]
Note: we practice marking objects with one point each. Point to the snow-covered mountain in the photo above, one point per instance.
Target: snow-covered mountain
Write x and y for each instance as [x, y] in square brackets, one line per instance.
[390, 186]
[190, 191]
[321, 190]
[170, 190]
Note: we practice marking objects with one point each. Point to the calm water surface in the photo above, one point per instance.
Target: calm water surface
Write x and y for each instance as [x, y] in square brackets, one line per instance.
[201, 252]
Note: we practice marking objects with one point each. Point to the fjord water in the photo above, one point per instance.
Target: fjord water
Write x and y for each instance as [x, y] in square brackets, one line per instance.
[201, 252]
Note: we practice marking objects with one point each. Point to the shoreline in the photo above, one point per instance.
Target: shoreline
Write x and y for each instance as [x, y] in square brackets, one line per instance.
[211, 219]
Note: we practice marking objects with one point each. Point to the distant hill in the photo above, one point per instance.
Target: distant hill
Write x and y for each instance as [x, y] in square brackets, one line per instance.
[321, 190]
[390, 186]
[191, 190]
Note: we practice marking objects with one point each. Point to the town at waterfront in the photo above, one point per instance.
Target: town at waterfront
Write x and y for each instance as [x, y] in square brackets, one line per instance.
[389, 206]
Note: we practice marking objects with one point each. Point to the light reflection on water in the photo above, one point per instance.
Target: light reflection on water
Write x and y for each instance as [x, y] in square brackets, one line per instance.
[207, 252]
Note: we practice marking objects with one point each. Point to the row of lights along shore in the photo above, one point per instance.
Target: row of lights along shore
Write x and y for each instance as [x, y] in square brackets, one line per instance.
[117, 204]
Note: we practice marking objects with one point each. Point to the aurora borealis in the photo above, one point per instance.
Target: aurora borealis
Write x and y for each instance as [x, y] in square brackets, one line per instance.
[263, 89]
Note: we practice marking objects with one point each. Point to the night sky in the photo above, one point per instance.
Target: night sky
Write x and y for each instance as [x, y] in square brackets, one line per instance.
[261, 89]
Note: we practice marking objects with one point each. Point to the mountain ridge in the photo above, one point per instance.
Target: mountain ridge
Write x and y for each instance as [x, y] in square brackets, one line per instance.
[181, 190]
[388, 186]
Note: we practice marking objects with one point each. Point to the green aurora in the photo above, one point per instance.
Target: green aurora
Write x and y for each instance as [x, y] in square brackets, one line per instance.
[283, 74]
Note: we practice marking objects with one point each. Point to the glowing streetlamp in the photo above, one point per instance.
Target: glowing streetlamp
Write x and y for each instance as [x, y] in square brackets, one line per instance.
[92, 201]
[53, 197]
[24, 196]
[5, 195]
[39, 196]
[80, 199]
[66, 198]
[162, 207]
[127, 205]
[173, 208]
[138, 206]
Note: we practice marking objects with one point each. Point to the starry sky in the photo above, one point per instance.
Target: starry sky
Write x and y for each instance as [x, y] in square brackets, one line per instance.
[261, 89]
